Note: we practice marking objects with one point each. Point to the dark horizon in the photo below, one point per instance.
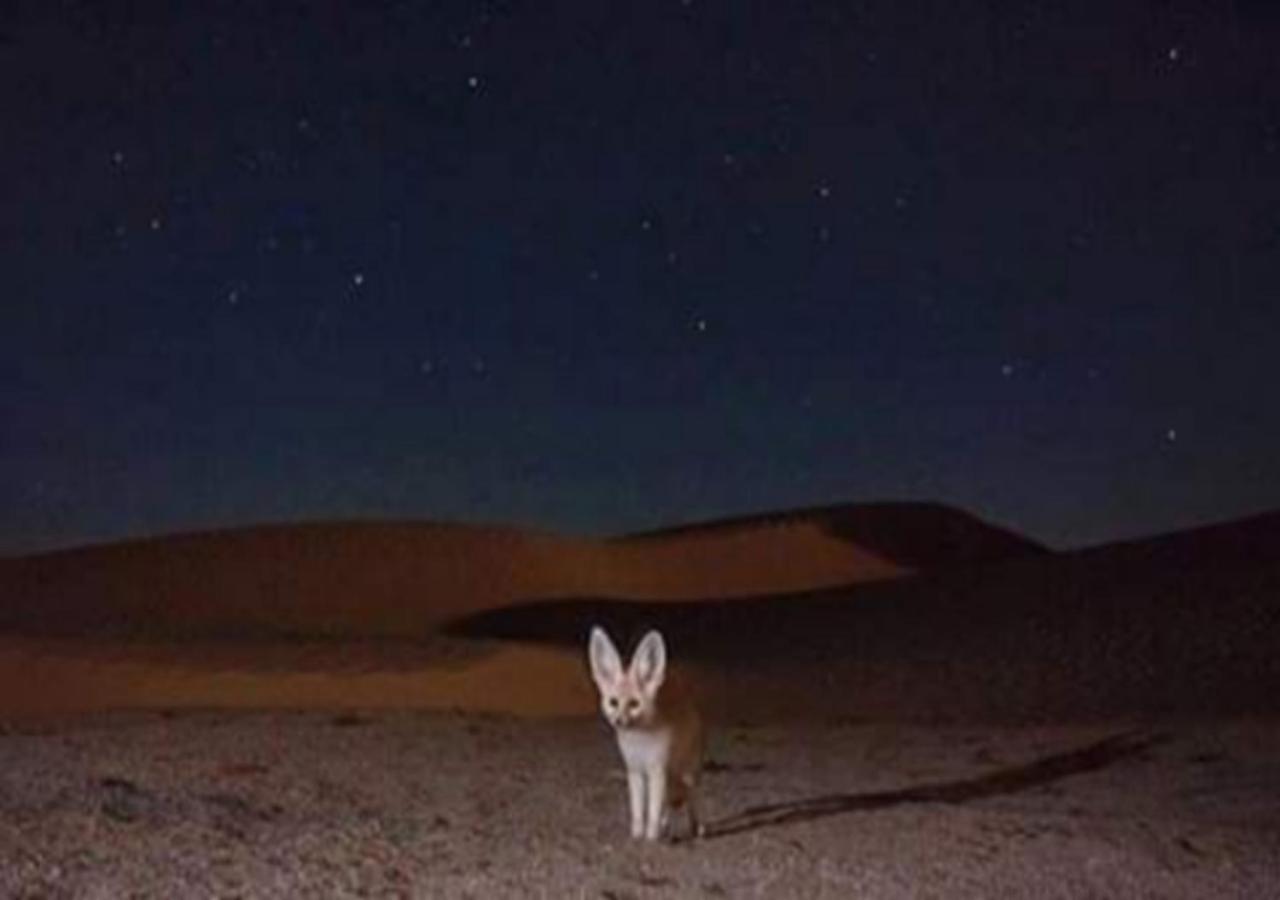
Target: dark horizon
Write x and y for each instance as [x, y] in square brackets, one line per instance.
[603, 269]
[745, 519]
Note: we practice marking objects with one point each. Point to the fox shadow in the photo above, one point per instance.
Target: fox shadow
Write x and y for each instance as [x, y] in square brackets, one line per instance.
[1012, 780]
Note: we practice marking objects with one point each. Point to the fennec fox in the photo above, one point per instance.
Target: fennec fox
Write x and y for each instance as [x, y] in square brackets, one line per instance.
[658, 728]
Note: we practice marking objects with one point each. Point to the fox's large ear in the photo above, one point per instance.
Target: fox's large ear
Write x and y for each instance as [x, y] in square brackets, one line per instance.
[606, 664]
[649, 664]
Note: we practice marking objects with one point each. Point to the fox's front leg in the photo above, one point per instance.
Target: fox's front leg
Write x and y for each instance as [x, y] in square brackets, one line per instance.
[657, 785]
[636, 795]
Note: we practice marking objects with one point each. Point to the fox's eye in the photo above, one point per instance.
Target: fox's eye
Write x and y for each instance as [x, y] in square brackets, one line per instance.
[613, 702]
[633, 704]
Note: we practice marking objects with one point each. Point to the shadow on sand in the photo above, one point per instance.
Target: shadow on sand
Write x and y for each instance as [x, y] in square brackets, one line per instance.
[1016, 779]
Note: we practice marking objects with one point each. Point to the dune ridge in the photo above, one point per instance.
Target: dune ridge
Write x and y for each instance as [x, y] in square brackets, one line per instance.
[401, 580]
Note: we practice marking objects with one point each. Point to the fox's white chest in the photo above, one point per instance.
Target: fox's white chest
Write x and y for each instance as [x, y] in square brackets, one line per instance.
[644, 750]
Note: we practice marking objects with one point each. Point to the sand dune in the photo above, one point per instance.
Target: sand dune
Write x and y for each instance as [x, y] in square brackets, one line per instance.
[914, 536]
[351, 616]
[346, 614]
[403, 580]
[1184, 624]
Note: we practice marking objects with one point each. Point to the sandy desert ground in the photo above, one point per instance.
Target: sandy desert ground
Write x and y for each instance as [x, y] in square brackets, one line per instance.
[405, 804]
[904, 705]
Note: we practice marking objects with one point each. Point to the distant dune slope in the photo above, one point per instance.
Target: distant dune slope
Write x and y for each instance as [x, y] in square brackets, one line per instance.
[1186, 623]
[403, 580]
[308, 579]
[912, 536]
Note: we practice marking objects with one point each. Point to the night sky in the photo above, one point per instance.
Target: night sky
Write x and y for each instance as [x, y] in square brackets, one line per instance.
[595, 267]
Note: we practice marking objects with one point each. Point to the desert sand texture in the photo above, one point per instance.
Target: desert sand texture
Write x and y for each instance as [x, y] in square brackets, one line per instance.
[404, 804]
